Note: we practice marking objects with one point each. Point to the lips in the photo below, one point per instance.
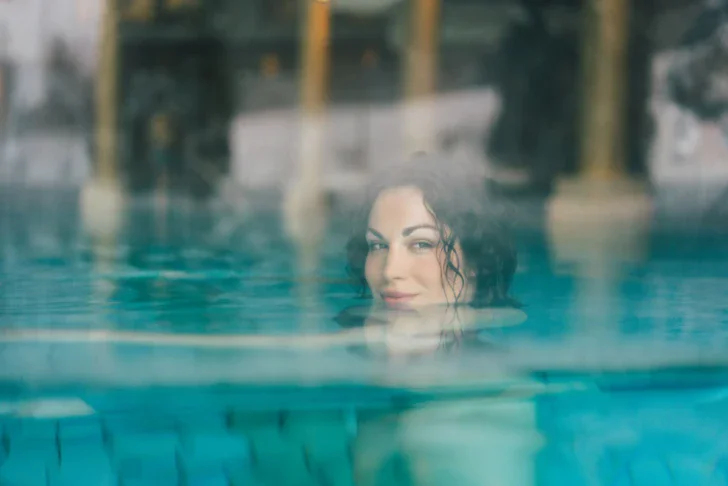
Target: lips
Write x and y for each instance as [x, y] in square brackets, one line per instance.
[397, 298]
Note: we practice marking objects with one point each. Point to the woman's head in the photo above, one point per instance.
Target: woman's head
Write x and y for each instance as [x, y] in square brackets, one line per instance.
[428, 235]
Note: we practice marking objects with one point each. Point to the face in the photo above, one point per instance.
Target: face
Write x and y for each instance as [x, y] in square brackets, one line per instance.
[406, 261]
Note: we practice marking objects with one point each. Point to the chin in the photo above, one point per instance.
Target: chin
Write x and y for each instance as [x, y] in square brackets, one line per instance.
[401, 306]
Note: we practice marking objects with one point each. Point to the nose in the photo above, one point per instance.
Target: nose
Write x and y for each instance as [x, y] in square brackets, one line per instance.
[396, 264]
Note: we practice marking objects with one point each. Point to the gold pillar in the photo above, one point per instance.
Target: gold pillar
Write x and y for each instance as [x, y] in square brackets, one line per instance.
[315, 55]
[600, 220]
[101, 200]
[107, 99]
[605, 81]
[304, 207]
[314, 87]
[420, 76]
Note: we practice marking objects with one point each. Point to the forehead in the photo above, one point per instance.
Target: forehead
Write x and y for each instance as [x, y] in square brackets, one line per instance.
[398, 208]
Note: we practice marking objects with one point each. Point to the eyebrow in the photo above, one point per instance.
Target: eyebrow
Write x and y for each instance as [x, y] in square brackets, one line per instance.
[405, 232]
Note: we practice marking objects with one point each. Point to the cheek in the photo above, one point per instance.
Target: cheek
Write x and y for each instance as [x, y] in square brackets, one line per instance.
[370, 271]
[430, 271]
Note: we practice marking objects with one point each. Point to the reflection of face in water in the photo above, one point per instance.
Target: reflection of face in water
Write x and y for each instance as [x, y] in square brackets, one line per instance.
[421, 331]
[406, 266]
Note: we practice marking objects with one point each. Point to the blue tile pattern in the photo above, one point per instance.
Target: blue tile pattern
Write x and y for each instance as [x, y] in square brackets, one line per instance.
[590, 438]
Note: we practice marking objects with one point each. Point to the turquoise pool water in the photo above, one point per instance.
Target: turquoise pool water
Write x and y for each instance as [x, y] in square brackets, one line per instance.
[110, 372]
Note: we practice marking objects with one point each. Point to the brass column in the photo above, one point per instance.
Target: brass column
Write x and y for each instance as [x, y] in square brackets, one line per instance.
[101, 200]
[314, 87]
[420, 74]
[107, 98]
[605, 84]
[305, 209]
[600, 219]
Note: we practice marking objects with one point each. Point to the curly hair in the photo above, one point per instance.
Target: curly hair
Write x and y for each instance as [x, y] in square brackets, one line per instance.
[463, 213]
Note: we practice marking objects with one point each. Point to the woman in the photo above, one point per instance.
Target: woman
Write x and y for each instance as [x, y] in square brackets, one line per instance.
[431, 251]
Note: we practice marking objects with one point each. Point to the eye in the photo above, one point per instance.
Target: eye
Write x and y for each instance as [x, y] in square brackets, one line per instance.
[423, 245]
[376, 245]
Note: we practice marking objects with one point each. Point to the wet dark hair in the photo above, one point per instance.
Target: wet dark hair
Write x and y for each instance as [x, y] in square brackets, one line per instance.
[458, 202]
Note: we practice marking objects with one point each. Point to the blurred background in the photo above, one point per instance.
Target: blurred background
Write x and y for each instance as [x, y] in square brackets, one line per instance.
[248, 126]
[185, 166]
[216, 91]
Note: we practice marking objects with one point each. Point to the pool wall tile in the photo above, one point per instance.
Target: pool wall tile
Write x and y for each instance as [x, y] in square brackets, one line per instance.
[27, 463]
[204, 450]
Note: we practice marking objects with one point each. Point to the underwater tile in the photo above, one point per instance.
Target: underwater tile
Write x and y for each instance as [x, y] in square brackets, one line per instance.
[650, 471]
[210, 478]
[83, 428]
[691, 471]
[32, 429]
[84, 464]
[203, 450]
[27, 464]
